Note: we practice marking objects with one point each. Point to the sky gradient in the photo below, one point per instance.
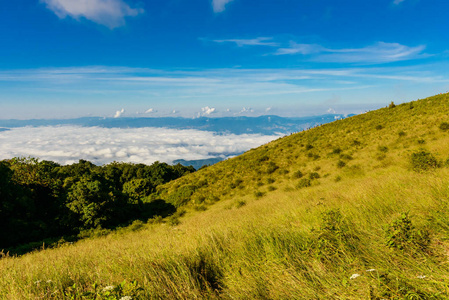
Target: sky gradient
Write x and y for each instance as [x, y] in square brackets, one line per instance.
[114, 58]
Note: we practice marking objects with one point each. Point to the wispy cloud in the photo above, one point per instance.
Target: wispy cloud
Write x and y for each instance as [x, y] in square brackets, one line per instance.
[150, 111]
[378, 53]
[260, 41]
[68, 144]
[397, 2]
[219, 5]
[110, 13]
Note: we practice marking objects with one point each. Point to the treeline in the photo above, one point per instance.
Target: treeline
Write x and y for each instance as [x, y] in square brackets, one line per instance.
[43, 199]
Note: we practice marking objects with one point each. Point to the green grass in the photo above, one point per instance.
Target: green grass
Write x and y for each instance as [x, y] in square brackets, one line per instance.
[381, 231]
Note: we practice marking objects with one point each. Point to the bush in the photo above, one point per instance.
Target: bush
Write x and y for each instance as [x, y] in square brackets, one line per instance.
[314, 175]
[401, 133]
[444, 126]
[309, 146]
[392, 105]
[383, 149]
[401, 234]
[297, 174]
[379, 127]
[303, 183]
[423, 161]
[258, 194]
[341, 164]
[336, 151]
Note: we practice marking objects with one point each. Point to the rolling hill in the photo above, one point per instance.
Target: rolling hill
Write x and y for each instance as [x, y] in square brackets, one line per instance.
[353, 209]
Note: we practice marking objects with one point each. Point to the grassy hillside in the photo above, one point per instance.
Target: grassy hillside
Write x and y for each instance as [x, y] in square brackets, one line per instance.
[355, 209]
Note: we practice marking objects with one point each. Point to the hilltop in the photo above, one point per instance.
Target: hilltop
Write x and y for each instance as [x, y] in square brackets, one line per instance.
[353, 209]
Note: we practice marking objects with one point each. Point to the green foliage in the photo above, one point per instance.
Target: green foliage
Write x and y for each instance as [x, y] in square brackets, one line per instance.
[182, 195]
[392, 105]
[259, 194]
[379, 127]
[401, 234]
[334, 236]
[298, 174]
[383, 149]
[314, 175]
[402, 133]
[444, 126]
[336, 151]
[340, 164]
[303, 183]
[423, 161]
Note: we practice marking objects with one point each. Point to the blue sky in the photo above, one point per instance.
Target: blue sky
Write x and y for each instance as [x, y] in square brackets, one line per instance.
[72, 58]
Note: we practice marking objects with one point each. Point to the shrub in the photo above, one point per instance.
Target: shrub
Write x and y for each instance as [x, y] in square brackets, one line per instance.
[401, 133]
[259, 194]
[341, 164]
[379, 127]
[297, 174]
[423, 161]
[383, 149]
[271, 167]
[444, 126]
[401, 234]
[336, 151]
[356, 143]
[309, 146]
[346, 156]
[392, 105]
[270, 180]
[314, 175]
[304, 182]
[421, 141]
[271, 188]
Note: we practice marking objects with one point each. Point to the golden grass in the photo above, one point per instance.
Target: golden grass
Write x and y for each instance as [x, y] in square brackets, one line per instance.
[275, 246]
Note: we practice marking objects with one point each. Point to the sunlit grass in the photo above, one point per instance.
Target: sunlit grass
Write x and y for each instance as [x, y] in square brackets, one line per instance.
[282, 244]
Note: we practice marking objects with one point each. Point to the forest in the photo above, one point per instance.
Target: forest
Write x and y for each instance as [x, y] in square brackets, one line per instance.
[45, 202]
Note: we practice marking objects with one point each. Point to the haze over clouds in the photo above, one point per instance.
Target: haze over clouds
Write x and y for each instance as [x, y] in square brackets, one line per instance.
[68, 144]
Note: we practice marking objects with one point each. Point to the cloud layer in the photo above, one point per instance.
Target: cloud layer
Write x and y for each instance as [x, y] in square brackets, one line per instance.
[68, 144]
[110, 13]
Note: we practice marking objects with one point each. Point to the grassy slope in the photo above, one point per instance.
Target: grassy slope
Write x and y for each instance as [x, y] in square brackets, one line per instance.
[277, 243]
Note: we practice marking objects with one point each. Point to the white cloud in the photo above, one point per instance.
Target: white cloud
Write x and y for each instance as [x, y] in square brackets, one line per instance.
[110, 13]
[68, 144]
[267, 109]
[397, 2]
[219, 5]
[205, 111]
[119, 113]
[150, 110]
[260, 41]
[174, 111]
[245, 110]
[378, 53]
[331, 110]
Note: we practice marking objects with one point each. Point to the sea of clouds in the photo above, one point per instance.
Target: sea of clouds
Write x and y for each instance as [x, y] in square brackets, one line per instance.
[68, 144]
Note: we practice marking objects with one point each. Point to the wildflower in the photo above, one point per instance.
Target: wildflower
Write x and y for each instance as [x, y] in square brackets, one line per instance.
[126, 298]
[108, 288]
[354, 276]
[421, 276]
[370, 270]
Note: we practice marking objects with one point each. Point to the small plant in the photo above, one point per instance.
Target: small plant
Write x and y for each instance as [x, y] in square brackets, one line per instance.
[402, 133]
[336, 151]
[298, 174]
[346, 156]
[314, 175]
[392, 105]
[240, 203]
[341, 164]
[423, 161]
[379, 127]
[421, 141]
[356, 143]
[271, 188]
[259, 194]
[338, 178]
[270, 180]
[401, 234]
[303, 183]
[309, 146]
[383, 149]
[444, 126]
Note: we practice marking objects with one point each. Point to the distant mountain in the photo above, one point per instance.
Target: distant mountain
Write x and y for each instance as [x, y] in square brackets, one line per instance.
[3, 129]
[198, 163]
[265, 125]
